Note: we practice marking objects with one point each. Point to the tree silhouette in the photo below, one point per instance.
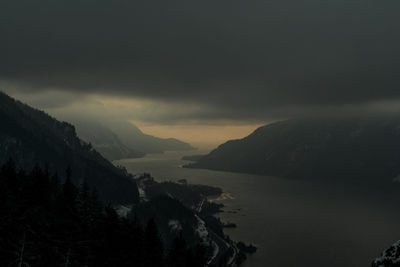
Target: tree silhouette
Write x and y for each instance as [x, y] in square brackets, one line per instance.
[153, 247]
[46, 223]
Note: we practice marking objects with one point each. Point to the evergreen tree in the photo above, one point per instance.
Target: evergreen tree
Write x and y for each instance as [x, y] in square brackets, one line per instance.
[46, 224]
[153, 247]
[69, 191]
[177, 256]
[9, 176]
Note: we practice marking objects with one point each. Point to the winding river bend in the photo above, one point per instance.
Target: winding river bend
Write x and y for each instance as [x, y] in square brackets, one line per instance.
[293, 223]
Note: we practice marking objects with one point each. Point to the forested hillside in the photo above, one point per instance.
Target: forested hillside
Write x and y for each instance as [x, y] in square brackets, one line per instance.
[353, 149]
[31, 137]
[48, 223]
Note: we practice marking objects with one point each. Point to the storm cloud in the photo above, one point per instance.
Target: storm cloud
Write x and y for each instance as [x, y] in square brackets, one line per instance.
[229, 59]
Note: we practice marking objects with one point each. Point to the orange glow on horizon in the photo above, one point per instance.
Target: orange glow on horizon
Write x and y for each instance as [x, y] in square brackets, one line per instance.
[200, 136]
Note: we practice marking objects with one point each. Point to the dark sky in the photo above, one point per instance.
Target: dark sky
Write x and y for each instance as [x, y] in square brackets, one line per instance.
[244, 60]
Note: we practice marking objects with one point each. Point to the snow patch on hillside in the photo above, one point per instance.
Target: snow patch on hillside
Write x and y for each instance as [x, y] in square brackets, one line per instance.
[123, 211]
[201, 229]
[141, 180]
[175, 225]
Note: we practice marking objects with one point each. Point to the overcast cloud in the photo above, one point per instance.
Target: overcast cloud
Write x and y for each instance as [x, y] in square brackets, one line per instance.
[207, 60]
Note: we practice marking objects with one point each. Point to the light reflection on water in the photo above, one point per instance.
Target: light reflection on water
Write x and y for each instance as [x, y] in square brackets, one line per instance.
[293, 223]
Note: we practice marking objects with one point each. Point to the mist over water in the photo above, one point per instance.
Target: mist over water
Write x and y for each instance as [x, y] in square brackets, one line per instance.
[293, 223]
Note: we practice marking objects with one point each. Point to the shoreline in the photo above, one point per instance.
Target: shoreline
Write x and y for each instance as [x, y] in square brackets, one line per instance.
[200, 199]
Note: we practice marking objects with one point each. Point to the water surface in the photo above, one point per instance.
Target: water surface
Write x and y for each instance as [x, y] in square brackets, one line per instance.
[293, 223]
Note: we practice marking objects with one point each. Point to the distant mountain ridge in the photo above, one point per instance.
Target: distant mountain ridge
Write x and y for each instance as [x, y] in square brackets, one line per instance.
[357, 149]
[30, 137]
[105, 141]
[118, 139]
[135, 139]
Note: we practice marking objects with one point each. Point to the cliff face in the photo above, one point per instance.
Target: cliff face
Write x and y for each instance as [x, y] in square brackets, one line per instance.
[30, 137]
[346, 149]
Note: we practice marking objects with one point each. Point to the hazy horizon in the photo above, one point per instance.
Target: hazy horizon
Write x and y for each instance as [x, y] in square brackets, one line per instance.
[184, 69]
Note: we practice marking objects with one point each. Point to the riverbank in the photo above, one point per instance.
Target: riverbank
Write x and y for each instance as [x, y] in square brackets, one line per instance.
[318, 225]
[222, 251]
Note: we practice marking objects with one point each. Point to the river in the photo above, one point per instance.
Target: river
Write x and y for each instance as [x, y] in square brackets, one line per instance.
[293, 223]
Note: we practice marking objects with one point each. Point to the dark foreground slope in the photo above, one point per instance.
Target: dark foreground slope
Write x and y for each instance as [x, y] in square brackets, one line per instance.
[45, 224]
[347, 149]
[389, 258]
[31, 137]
